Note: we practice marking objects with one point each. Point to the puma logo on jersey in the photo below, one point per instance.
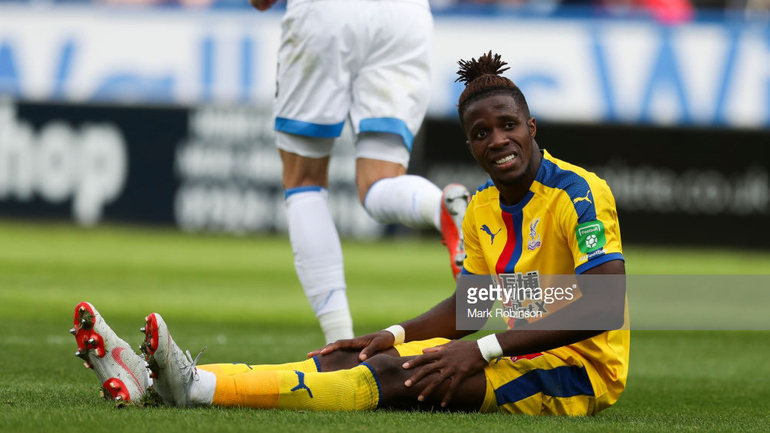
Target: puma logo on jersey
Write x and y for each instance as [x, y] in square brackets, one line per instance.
[301, 384]
[486, 229]
[583, 198]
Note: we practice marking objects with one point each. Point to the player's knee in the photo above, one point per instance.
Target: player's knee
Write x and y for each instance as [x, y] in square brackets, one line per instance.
[390, 378]
[362, 192]
[338, 360]
[387, 368]
[369, 171]
[364, 182]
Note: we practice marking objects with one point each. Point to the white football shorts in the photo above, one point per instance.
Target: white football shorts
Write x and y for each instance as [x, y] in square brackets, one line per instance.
[366, 60]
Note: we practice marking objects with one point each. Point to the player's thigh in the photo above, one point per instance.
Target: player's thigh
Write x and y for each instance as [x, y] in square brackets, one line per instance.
[537, 385]
[313, 77]
[392, 89]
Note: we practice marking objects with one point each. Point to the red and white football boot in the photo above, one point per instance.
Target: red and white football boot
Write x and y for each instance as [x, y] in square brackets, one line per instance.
[454, 202]
[122, 373]
[173, 371]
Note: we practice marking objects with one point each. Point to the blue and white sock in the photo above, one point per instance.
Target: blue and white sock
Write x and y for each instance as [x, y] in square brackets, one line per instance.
[318, 259]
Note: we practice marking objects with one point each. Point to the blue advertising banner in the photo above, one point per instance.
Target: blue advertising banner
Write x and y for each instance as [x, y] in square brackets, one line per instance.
[579, 69]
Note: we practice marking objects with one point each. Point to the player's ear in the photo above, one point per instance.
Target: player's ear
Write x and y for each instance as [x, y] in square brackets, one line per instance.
[532, 127]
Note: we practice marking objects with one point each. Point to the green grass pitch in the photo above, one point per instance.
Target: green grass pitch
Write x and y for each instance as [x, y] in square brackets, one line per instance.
[241, 298]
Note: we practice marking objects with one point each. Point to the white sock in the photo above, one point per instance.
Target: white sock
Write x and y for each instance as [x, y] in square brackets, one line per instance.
[318, 259]
[202, 388]
[410, 200]
[333, 314]
[337, 325]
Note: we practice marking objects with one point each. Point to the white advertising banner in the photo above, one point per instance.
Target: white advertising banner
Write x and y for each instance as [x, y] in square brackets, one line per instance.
[571, 70]
[161, 56]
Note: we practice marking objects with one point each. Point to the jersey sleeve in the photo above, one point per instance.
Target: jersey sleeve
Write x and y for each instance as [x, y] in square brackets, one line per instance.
[590, 225]
[474, 257]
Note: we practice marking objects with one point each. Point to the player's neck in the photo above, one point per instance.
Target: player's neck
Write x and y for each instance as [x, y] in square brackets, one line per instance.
[513, 193]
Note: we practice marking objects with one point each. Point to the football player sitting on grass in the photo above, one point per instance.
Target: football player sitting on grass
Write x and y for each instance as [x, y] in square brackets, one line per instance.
[548, 217]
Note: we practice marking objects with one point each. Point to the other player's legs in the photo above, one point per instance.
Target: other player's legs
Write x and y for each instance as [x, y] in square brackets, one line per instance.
[390, 196]
[314, 239]
[120, 370]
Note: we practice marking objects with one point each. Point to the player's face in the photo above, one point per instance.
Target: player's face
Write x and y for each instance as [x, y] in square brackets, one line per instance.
[501, 138]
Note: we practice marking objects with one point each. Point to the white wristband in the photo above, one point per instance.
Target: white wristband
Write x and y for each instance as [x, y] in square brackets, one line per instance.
[490, 348]
[398, 332]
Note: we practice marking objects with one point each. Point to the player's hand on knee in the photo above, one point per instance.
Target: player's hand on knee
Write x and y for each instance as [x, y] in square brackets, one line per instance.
[454, 361]
[368, 344]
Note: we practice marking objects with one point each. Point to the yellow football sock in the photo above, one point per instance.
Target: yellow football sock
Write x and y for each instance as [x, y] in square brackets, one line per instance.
[343, 390]
[307, 366]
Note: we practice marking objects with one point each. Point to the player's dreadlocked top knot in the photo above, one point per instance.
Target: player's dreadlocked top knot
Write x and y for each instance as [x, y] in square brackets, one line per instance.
[483, 77]
[489, 66]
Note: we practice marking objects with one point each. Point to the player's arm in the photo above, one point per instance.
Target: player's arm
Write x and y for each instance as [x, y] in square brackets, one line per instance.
[262, 5]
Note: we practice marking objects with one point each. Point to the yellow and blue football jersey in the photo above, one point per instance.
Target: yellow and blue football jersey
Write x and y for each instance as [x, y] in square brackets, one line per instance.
[567, 223]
